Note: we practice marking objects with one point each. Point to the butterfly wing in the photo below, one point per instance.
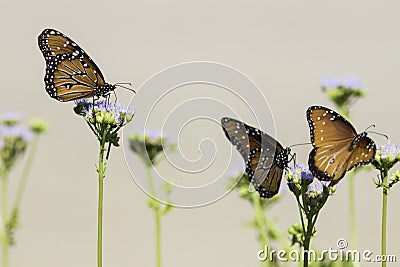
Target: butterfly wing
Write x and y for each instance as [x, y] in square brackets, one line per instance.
[266, 178]
[70, 73]
[258, 150]
[52, 43]
[337, 147]
[363, 153]
[329, 162]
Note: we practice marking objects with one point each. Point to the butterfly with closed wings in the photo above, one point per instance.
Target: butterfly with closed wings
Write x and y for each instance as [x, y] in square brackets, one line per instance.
[338, 147]
[265, 158]
[70, 73]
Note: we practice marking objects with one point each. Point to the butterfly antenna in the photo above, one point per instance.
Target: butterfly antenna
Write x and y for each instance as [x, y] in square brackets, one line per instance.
[301, 144]
[127, 88]
[384, 135]
[373, 125]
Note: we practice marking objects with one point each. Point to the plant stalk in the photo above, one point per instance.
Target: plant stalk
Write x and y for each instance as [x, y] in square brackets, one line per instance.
[4, 215]
[157, 215]
[352, 212]
[101, 171]
[261, 224]
[25, 173]
[384, 175]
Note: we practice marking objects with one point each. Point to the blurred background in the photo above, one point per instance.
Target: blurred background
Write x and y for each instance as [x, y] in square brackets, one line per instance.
[285, 47]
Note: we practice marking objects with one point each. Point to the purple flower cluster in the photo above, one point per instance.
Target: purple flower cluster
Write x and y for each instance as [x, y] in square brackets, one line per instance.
[121, 114]
[15, 131]
[302, 176]
[11, 116]
[302, 172]
[316, 188]
[389, 151]
[346, 82]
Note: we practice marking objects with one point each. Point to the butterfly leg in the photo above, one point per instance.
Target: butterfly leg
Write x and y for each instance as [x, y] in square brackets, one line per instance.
[93, 115]
[293, 157]
[107, 97]
[115, 97]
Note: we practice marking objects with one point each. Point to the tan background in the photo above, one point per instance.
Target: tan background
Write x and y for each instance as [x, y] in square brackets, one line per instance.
[284, 46]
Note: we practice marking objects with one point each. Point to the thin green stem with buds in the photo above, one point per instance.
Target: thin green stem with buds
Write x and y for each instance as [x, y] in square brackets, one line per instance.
[352, 212]
[157, 213]
[4, 215]
[385, 188]
[260, 222]
[101, 169]
[25, 173]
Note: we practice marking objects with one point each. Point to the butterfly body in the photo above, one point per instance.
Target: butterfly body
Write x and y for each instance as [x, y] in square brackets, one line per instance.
[282, 158]
[70, 73]
[337, 147]
[265, 158]
[356, 140]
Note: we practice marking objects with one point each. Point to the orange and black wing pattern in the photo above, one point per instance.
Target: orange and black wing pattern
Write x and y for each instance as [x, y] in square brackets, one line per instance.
[337, 148]
[265, 158]
[70, 73]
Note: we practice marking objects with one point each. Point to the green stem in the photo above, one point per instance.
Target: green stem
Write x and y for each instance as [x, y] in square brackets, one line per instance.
[306, 244]
[311, 220]
[384, 174]
[352, 211]
[158, 237]
[101, 171]
[4, 215]
[301, 214]
[261, 223]
[157, 214]
[25, 173]
[150, 178]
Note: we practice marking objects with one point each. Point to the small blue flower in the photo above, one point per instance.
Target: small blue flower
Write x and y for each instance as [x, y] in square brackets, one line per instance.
[11, 116]
[386, 157]
[115, 113]
[330, 82]
[151, 145]
[13, 143]
[302, 172]
[16, 131]
[389, 151]
[154, 134]
[316, 188]
[350, 82]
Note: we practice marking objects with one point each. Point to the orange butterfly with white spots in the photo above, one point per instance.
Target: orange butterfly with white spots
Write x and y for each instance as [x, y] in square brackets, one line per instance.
[338, 147]
[70, 73]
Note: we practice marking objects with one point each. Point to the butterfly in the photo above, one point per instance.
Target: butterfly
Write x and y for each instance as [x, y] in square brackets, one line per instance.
[337, 146]
[70, 73]
[265, 158]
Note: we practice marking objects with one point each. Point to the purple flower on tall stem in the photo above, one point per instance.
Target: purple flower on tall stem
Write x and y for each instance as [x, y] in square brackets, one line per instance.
[301, 171]
[103, 111]
[16, 131]
[350, 82]
[389, 151]
[11, 118]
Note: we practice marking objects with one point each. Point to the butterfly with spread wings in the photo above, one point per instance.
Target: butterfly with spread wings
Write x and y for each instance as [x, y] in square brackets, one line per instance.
[265, 157]
[70, 73]
[338, 147]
